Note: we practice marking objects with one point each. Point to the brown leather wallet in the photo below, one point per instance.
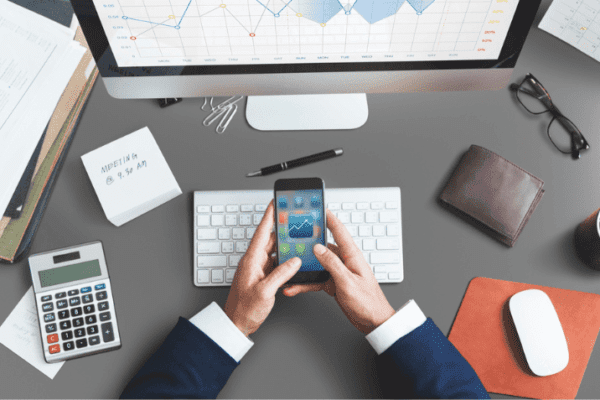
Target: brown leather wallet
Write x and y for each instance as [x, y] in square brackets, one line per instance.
[492, 193]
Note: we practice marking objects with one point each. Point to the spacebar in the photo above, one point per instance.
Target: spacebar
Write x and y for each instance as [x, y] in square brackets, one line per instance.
[212, 261]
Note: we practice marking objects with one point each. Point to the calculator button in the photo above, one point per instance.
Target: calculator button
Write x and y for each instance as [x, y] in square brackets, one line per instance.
[94, 340]
[60, 295]
[66, 335]
[92, 330]
[50, 328]
[55, 348]
[76, 312]
[77, 322]
[47, 307]
[73, 292]
[68, 346]
[86, 289]
[49, 317]
[75, 301]
[81, 343]
[103, 306]
[107, 332]
[46, 298]
[89, 309]
[105, 316]
[88, 298]
[79, 332]
[101, 296]
[53, 338]
[65, 325]
[63, 314]
[90, 319]
[61, 304]
[100, 286]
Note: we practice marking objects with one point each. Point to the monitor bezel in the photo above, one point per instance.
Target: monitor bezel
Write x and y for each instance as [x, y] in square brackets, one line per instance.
[108, 67]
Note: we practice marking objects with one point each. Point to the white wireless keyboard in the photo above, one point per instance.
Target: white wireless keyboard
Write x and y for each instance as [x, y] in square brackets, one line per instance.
[225, 221]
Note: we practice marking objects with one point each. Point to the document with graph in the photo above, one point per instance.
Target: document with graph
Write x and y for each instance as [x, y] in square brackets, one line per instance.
[577, 22]
[242, 32]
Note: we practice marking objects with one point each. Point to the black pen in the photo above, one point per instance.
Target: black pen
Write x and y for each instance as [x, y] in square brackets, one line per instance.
[298, 162]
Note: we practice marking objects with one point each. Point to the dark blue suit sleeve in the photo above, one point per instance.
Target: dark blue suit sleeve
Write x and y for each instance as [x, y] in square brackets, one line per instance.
[187, 365]
[433, 367]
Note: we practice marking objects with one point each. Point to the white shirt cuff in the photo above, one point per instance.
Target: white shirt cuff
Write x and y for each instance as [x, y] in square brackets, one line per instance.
[216, 325]
[408, 318]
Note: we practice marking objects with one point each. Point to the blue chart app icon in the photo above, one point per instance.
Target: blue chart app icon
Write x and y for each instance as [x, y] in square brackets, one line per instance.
[282, 202]
[300, 226]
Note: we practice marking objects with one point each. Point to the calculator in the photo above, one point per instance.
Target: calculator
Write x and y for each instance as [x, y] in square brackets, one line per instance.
[74, 302]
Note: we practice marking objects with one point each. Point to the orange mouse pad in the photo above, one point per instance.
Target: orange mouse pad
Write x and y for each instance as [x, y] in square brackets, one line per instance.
[484, 333]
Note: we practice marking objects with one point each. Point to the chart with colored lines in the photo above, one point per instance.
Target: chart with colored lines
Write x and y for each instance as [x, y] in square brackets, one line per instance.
[242, 32]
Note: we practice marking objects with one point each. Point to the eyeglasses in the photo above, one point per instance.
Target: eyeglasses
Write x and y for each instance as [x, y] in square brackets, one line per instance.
[562, 132]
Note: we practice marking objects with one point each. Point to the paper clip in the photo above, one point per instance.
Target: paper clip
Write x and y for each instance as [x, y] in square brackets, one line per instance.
[213, 116]
[207, 103]
[230, 101]
[231, 110]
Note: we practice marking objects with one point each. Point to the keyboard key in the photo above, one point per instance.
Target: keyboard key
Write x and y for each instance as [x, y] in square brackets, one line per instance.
[233, 208]
[92, 330]
[105, 316]
[347, 206]
[46, 298]
[77, 322]
[212, 261]
[353, 230]
[79, 332]
[60, 295]
[241, 247]
[362, 206]
[86, 289]
[377, 205]
[94, 340]
[391, 205]
[357, 217]
[379, 230]
[107, 332]
[231, 219]
[226, 247]
[65, 325]
[73, 292]
[52, 338]
[371, 217]
[101, 296]
[203, 209]
[229, 274]
[90, 319]
[203, 276]
[369, 244]
[333, 206]
[393, 230]
[76, 312]
[100, 286]
[216, 276]
[218, 209]
[224, 233]
[89, 309]
[238, 233]
[381, 276]
[206, 234]
[385, 258]
[62, 304]
[74, 301]
[261, 207]
[81, 343]
[49, 317]
[217, 220]
[358, 242]
[365, 230]
[247, 207]
[395, 275]
[63, 314]
[68, 346]
[203, 220]
[388, 216]
[234, 260]
[250, 233]
[47, 307]
[103, 306]
[50, 328]
[88, 298]
[380, 268]
[258, 218]
[55, 348]
[245, 219]
[388, 244]
[344, 217]
[67, 335]
[209, 247]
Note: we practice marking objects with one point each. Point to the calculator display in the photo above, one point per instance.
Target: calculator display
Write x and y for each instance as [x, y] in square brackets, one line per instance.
[70, 273]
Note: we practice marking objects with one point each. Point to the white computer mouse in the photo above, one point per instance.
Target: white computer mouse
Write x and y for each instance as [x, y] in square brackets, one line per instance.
[539, 329]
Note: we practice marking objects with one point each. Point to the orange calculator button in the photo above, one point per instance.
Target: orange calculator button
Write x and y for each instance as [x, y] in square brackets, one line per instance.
[54, 348]
[53, 338]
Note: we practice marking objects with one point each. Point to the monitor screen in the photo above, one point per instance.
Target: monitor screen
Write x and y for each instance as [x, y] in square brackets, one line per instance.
[204, 33]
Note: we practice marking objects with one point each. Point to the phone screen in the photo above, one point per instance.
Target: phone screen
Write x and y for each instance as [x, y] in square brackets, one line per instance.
[300, 225]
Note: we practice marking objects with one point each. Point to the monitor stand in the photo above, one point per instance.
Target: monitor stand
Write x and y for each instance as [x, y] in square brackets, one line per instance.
[307, 112]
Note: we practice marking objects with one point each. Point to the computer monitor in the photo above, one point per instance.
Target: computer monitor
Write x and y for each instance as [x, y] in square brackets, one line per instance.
[280, 51]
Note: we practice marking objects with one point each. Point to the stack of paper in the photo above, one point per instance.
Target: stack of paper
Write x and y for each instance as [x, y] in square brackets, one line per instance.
[37, 59]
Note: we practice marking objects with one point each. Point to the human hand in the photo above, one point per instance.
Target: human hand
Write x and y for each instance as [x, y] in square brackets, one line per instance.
[256, 281]
[352, 282]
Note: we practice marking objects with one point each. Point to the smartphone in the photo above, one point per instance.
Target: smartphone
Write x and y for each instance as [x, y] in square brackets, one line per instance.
[300, 221]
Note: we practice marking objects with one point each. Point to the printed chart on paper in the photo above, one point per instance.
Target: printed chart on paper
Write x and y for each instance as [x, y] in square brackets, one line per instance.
[239, 32]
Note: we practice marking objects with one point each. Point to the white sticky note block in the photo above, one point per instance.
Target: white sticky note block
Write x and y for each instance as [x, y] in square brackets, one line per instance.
[130, 176]
[20, 332]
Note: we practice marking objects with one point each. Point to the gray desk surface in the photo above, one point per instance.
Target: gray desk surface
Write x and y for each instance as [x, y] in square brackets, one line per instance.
[307, 348]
